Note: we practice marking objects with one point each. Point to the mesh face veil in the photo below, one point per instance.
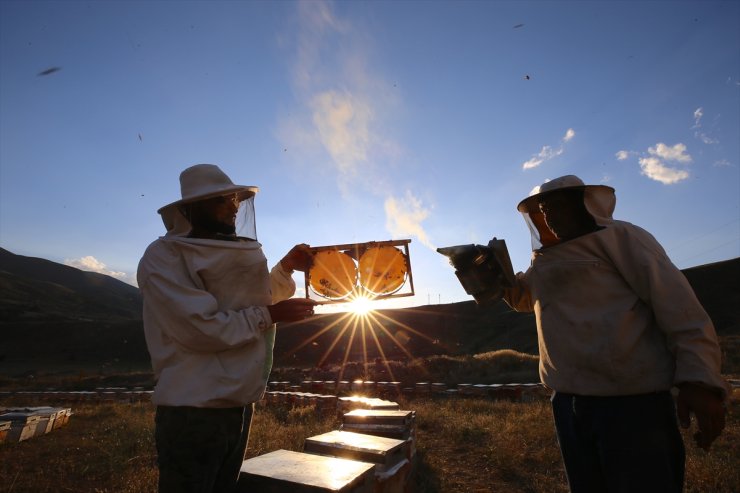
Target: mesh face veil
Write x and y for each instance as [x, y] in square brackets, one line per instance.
[246, 225]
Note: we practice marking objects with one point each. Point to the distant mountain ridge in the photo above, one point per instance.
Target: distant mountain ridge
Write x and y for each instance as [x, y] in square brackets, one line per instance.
[30, 284]
[53, 315]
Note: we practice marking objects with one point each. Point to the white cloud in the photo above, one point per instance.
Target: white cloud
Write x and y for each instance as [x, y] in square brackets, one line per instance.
[340, 118]
[698, 133]
[342, 122]
[404, 217]
[670, 153]
[547, 152]
[317, 22]
[92, 264]
[722, 163]
[655, 169]
[698, 113]
[655, 165]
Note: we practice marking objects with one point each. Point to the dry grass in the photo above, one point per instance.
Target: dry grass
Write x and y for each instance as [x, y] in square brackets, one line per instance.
[103, 448]
[473, 445]
[465, 445]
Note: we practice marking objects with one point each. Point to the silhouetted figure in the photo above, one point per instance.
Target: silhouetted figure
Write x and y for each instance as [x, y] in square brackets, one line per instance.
[210, 305]
[619, 327]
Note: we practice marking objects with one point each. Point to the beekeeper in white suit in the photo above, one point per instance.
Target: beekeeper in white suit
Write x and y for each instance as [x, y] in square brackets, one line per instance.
[210, 305]
[619, 326]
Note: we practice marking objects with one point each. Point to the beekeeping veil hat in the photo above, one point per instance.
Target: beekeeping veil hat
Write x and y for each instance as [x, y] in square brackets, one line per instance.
[201, 182]
[599, 200]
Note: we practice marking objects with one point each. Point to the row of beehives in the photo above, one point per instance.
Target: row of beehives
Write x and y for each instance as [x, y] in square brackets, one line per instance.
[511, 391]
[21, 423]
[326, 403]
[373, 451]
[508, 391]
[109, 394]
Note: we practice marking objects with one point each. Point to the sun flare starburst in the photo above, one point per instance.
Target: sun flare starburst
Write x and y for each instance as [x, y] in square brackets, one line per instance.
[361, 334]
[360, 306]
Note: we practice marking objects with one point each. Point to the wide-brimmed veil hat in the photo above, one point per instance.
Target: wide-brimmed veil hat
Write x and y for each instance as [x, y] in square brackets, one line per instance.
[206, 181]
[567, 182]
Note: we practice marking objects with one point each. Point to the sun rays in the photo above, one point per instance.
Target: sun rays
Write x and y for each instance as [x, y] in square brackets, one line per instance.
[360, 306]
[364, 335]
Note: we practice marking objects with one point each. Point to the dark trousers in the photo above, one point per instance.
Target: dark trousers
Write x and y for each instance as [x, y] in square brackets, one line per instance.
[200, 450]
[627, 444]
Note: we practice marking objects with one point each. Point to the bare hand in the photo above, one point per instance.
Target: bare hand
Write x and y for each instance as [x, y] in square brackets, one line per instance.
[708, 408]
[298, 258]
[291, 310]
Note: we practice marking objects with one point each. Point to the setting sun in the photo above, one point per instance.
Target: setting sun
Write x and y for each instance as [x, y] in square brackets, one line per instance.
[360, 305]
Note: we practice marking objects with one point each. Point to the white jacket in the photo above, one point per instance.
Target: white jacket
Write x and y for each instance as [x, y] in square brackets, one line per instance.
[208, 331]
[614, 315]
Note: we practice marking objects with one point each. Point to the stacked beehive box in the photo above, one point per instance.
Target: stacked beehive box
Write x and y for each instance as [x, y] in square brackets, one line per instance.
[348, 403]
[392, 466]
[376, 457]
[375, 448]
[396, 424]
[22, 425]
[296, 472]
[29, 422]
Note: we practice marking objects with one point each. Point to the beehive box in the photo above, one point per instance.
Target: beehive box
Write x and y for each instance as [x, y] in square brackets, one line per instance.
[64, 414]
[57, 416]
[506, 392]
[285, 471]
[392, 466]
[344, 386]
[534, 391]
[438, 387]
[465, 388]
[349, 403]
[4, 430]
[44, 424]
[423, 387]
[47, 417]
[389, 423]
[384, 452]
[398, 424]
[23, 425]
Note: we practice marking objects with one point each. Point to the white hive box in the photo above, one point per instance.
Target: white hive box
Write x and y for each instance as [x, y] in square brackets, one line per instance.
[358, 402]
[397, 424]
[46, 415]
[388, 454]
[285, 471]
[385, 452]
[23, 425]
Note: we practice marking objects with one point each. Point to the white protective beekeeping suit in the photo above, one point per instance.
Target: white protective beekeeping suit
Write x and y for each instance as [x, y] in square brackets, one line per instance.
[614, 315]
[208, 331]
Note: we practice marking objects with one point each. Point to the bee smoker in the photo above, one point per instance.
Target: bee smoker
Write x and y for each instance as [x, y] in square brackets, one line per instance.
[483, 271]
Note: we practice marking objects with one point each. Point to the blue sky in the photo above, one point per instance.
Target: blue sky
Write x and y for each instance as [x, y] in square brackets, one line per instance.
[367, 121]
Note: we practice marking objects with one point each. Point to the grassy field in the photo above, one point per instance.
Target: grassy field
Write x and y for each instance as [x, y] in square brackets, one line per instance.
[464, 445]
